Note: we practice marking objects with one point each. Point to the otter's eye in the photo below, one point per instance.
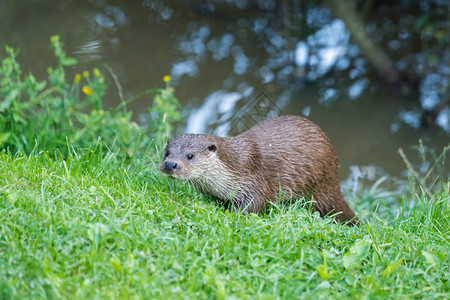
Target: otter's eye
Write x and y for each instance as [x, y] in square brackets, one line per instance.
[190, 156]
[166, 153]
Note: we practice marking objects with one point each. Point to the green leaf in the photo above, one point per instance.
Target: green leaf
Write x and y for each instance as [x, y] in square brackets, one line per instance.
[323, 272]
[41, 85]
[6, 103]
[421, 21]
[11, 51]
[68, 61]
[431, 258]
[392, 267]
[12, 196]
[116, 264]
[357, 253]
[4, 136]
[96, 231]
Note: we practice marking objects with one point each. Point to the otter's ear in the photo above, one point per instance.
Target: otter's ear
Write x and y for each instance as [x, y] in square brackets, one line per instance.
[212, 147]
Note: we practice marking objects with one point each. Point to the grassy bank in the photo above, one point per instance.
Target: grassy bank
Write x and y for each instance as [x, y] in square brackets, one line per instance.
[87, 217]
[91, 226]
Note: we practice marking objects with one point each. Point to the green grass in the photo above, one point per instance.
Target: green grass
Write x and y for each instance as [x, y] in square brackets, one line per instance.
[92, 225]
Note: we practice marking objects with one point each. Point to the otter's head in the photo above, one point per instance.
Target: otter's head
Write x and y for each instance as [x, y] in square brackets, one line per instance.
[189, 156]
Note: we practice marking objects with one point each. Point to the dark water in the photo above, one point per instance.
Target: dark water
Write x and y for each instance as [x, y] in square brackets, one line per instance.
[224, 59]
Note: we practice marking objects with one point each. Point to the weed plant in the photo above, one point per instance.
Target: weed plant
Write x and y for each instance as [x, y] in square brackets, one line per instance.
[79, 221]
[51, 114]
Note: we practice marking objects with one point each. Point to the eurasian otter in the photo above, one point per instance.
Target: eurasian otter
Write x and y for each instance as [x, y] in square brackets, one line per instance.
[279, 159]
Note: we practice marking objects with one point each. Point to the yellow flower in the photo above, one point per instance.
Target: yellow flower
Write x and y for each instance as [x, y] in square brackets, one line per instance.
[86, 74]
[97, 73]
[166, 78]
[54, 38]
[87, 90]
[77, 78]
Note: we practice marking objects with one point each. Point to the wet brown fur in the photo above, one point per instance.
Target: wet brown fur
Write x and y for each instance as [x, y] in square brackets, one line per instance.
[290, 152]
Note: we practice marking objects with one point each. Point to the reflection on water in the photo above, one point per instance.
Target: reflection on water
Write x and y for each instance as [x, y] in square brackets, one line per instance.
[111, 17]
[222, 63]
[91, 50]
[356, 89]
[330, 45]
[218, 107]
[443, 119]
[432, 87]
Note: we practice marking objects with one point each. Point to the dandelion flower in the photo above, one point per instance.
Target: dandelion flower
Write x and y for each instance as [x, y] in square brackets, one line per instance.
[166, 78]
[86, 74]
[97, 72]
[87, 90]
[77, 78]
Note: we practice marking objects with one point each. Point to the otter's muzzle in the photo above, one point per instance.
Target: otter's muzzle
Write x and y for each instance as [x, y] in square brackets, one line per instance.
[170, 167]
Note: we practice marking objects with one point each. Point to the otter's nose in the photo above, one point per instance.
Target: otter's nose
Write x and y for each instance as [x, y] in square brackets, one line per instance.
[170, 166]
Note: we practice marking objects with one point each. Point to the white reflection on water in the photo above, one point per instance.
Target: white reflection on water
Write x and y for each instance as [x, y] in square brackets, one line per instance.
[306, 111]
[260, 24]
[161, 11]
[412, 118]
[357, 87]
[301, 54]
[443, 119]
[188, 67]
[220, 47]
[241, 61]
[328, 45]
[218, 105]
[195, 43]
[432, 87]
[266, 74]
[329, 95]
[90, 50]
[111, 16]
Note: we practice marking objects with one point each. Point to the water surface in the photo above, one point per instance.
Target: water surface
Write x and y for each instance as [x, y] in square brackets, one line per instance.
[223, 60]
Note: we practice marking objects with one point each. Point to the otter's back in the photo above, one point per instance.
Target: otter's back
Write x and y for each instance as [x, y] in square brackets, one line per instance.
[295, 151]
